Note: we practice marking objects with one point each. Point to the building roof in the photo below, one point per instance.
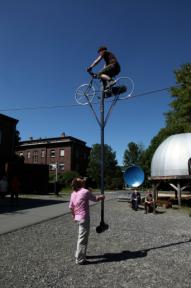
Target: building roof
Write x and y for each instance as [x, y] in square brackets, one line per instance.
[5, 117]
[48, 141]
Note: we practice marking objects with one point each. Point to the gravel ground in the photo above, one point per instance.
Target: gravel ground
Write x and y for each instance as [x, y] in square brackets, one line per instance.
[138, 250]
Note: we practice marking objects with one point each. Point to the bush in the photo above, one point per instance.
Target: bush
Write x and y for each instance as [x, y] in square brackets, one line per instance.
[66, 178]
[115, 184]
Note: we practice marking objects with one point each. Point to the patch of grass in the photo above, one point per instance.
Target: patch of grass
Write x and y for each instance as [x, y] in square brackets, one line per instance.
[186, 210]
[183, 209]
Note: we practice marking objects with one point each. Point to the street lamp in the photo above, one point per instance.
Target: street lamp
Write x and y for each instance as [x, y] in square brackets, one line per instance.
[55, 167]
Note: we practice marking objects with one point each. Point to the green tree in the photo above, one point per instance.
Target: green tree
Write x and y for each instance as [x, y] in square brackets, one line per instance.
[180, 114]
[66, 178]
[17, 137]
[133, 154]
[111, 170]
[178, 118]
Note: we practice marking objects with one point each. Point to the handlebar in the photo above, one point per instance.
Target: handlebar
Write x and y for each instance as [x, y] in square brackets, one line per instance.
[94, 75]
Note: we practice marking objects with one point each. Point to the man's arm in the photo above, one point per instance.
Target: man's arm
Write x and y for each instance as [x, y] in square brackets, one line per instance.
[95, 198]
[94, 63]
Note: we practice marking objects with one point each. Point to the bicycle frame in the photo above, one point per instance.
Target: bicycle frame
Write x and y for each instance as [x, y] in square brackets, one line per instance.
[94, 76]
[85, 93]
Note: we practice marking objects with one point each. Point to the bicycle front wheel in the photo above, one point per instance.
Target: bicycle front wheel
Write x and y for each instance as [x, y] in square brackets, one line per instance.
[84, 94]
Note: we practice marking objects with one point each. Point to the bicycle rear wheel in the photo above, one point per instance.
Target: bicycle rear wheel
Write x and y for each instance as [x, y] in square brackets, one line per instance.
[84, 94]
[123, 88]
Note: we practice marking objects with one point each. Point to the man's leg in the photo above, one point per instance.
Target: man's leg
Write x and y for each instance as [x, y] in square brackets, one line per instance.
[109, 82]
[106, 75]
[136, 205]
[146, 208]
[83, 234]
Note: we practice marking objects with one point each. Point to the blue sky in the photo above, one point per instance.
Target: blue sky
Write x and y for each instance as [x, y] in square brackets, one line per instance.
[46, 45]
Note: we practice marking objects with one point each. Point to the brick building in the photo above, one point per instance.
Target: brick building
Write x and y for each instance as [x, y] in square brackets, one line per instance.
[7, 140]
[62, 154]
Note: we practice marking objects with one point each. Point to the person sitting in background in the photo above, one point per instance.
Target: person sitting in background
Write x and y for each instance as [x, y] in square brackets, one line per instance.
[135, 200]
[15, 188]
[149, 202]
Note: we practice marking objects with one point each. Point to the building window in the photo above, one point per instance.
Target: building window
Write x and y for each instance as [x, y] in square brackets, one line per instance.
[21, 154]
[28, 155]
[61, 152]
[52, 167]
[61, 167]
[35, 157]
[43, 153]
[52, 153]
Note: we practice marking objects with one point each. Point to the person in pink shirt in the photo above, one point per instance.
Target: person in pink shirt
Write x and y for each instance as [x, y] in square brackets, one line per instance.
[79, 206]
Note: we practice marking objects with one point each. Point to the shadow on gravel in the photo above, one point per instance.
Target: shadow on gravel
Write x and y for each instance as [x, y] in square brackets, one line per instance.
[6, 206]
[117, 257]
[126, 255]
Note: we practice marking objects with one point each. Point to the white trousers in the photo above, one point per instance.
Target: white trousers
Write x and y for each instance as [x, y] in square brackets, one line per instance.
[82, 243]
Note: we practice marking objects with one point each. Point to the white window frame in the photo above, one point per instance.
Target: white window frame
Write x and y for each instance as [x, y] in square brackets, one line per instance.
[52, 153]
[62, 152]
[42, 153]
[61, 167]
[35, 157]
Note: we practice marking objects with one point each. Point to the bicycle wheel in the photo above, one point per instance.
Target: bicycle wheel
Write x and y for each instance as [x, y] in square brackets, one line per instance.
[84, 94]
[123, 88]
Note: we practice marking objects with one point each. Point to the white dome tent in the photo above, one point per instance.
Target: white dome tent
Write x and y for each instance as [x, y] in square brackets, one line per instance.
[172, 156]
[172, 161]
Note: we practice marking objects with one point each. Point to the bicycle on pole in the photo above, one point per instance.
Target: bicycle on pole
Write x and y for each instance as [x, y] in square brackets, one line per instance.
[122, 89]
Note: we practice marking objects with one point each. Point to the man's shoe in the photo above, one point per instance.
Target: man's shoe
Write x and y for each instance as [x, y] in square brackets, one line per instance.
[84, 262]
[110, 84]
[107, 94]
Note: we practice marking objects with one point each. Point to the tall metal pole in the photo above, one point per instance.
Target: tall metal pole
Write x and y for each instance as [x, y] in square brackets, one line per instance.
[103, 226]
[102, 122]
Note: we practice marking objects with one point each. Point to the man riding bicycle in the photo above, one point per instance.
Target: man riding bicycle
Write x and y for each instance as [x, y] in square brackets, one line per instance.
[111, 68]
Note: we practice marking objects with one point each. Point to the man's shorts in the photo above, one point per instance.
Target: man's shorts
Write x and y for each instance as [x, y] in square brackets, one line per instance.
[111, 70]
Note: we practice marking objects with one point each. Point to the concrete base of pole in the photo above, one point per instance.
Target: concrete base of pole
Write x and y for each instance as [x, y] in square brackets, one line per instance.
[102, 227]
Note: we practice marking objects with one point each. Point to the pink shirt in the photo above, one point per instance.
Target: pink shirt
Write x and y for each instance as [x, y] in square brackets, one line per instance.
[79, 202]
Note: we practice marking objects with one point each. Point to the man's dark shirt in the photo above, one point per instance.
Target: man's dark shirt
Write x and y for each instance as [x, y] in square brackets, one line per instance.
[109, 58]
